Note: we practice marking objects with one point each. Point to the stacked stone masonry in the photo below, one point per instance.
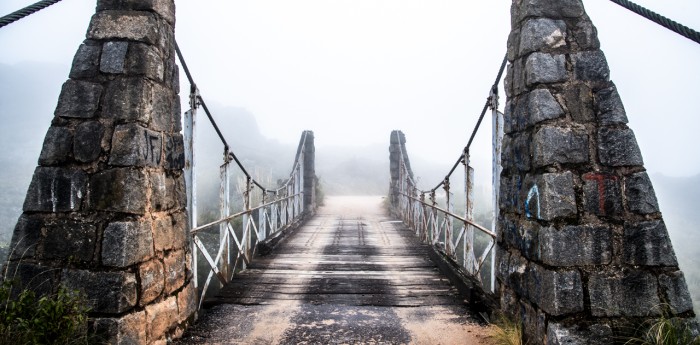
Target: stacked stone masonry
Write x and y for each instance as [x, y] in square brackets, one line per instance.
[583, 251]
[105, 210]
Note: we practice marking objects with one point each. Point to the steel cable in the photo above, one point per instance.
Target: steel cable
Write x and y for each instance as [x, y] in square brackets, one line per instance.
[661, 20]
[25, 12]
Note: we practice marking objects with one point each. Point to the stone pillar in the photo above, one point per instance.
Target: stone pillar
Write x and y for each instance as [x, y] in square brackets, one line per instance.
[583, 250]
[397, 147]
[309, 172]
[105, 211]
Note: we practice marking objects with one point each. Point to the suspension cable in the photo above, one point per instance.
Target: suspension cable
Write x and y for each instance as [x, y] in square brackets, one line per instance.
[661, 20]
[25, 12]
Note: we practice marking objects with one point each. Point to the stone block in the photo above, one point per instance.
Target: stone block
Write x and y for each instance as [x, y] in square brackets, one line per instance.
[107, 292]
[674, 292]
[86, 61]
[543, 68]
[55, 190]
[516, 116]
[542, 106]
[523, 235]
[534, 323]
[174, 152]
[575, 245]
[169, 233]
[510, 191]
[161, 317]
[144, 59]
[35, 277]
[647, 244]
[119, 190]
[502, 259]
[133, 145]
[542, 34]
[180, 191]
[595, 334]
[129, 99]
[124, 25]
[174, 263]
[518, 76]
[550, 196]
[516, 151]
[57, 146]
[579, 101]
[87, 142]
[162, 117]
[127, 243]
[623, 293]
[513, 44]
[559, 145]
[171, 74]
[618, 147]
[113, 58]
[602, 195]
[590, 66]
[551, 8]
[640, 195]
[71, 240]
[586, 35]
[152, 281]
[162, 191]
[78, 99]
[129, 329]
[187, 303]
[165, 8]
[555, 292]
[25, 237]
[609, 108]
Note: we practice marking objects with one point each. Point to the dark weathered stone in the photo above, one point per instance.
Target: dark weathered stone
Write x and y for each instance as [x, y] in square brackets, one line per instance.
[119, 190]
[57, 146]
[128, 329]
[152, 281]
[144, 59]
[517, 278]
[160, 317]
[114, 57]
[518, 77]
[127, 243]
[551, 197]
[647, 244]
[555, 292]
[523, 235]
[591, 66]
[542, 106]
[586, 35]
[557, 145]
[86, 62]
[618, 147]
[106, 292]
[551, 8]
[55, 190]
[129, 99]
[516, 151]
[174, 152]
[510, 194]
[596, 334]
[545, 68]
[70, 240]
[180, 191]
[576, 245]
[127, 25]
[78, 99]
[534, 323]
[579, 102]
[165, 8]
[612, 293]
[35, 277]
[609, 108]
[133, 145]
[513, 45]
[674, 292]
[542, 34]
[640, 195]
[87, 142]
[162, 117]
[602, 195]
[25, 237]
[174, 274]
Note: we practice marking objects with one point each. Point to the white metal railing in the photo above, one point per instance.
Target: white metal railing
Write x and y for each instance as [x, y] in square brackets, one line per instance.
[441, 226]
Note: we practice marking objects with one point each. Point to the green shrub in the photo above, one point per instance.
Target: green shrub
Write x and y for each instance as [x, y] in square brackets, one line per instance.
[665, 331]
[55, 319]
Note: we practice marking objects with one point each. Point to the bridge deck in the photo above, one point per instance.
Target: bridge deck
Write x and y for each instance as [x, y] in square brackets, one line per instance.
[350, 275]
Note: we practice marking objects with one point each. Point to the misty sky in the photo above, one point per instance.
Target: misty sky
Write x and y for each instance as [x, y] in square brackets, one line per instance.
[353, 70]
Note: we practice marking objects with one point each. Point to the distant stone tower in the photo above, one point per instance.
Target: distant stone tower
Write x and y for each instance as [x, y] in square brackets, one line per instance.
[583, 250]
[105, 211]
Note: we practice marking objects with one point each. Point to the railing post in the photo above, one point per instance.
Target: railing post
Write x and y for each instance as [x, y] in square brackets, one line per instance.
[246, 217]
[468, 256]
[190, 173]
[448, 220]
[497, 140]
[224, 210]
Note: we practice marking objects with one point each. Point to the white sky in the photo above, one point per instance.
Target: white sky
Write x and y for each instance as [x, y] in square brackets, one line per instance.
[353, 70]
